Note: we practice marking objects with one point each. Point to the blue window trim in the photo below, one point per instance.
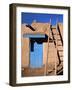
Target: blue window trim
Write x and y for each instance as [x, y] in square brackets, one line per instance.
[33, 35]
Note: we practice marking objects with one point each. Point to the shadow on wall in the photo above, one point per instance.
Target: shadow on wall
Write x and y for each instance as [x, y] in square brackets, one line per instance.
[38, 40]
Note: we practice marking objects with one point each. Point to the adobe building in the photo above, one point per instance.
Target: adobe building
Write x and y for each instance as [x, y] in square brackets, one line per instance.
[42, 41]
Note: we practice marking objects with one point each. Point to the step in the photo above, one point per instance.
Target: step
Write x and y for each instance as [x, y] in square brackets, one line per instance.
[56, 34]
[58, 39]
[33, 71]
[60, 72]
[61, 55]
[60, 50]
[61, 58]
[51, 44]
[50, 41]
[59, 45]
[60, 67]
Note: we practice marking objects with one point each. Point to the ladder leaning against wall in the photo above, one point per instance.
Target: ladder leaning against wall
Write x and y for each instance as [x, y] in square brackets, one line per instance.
[56, 54]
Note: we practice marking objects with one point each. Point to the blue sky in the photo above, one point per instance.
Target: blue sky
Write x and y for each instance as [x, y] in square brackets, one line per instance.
[36, 56]
[39, 17]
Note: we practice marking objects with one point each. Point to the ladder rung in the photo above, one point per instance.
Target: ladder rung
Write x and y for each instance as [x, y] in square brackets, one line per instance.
[50, 40]
[54, 33]
[59, 45]
[50, 46]
[61, 60]
[54, 39]
[59, 39]
[50, 70]
[58, 34]
[61, 56]
[53, 27]
[60, 50]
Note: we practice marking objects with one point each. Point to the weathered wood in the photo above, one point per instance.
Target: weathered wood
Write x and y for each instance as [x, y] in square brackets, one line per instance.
[44, 53]
[61, 28]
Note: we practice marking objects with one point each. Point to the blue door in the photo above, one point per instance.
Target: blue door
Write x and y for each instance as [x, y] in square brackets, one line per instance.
[36, 50]
[36, 55]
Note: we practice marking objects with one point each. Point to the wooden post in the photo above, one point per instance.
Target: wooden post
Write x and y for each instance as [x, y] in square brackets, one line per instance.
[46, 64]
[56, 48]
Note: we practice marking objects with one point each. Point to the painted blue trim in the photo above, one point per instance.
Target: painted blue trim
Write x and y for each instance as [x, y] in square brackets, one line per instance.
[34, 36]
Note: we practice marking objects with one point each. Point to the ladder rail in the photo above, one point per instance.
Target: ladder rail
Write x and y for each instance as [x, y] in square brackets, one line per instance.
[55, 41]
[56, 49]
[60, 34]
[46, 66]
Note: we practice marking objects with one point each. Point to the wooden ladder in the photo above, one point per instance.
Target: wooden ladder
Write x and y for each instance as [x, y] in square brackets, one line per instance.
[54, 38]
[50, 66]
[58, 42]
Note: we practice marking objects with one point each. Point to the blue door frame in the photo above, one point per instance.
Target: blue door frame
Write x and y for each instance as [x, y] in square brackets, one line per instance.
[36, 50]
